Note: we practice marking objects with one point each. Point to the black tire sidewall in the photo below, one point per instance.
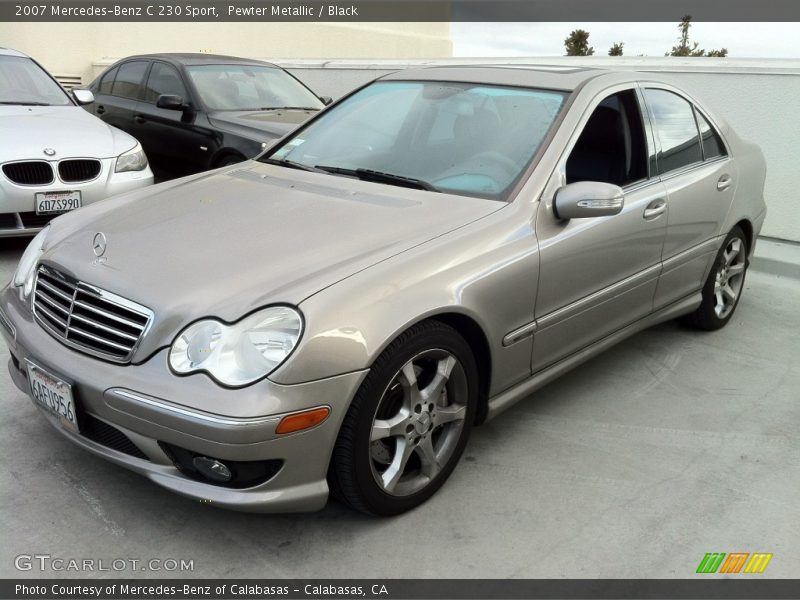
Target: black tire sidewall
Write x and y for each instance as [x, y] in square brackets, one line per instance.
[371, 498]
[708, 317]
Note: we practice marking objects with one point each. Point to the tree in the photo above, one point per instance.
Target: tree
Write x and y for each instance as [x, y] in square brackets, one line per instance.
[687, 48]
[616, 49]
[577, 44]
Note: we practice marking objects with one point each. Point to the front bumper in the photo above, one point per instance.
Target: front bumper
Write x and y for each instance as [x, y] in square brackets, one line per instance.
[152, 408]
[17, 202]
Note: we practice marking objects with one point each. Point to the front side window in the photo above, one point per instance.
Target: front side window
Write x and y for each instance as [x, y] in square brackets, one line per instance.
[676, 128]
[246, 87]
[24, 82]
[128, 83]
[163, 79]
[460, 138]
[612, 147]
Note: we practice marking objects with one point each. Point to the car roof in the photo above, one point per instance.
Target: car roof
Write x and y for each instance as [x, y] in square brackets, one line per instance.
[199, 58]
[12, 52]
[523, 75]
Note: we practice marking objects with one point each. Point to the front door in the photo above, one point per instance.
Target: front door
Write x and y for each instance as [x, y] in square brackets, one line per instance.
[599, 274]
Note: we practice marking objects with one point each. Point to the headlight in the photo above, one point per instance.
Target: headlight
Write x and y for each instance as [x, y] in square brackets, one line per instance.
[132, 160]
[239, 354]
[26, 269]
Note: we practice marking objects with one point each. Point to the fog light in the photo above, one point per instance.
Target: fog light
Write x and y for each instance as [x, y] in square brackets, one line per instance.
[212, 468]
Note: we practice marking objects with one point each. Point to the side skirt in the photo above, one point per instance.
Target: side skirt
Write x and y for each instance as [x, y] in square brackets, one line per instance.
[511, 396]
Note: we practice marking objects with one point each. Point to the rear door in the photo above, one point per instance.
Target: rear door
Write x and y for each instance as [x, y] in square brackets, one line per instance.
[700, 179]
[117, 99]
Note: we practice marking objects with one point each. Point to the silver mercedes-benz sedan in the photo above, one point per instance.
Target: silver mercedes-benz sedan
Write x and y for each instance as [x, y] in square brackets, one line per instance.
[339, 313]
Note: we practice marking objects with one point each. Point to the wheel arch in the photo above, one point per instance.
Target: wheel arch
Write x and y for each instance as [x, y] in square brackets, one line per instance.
[747, 228]
[473, 333]
[223, 153]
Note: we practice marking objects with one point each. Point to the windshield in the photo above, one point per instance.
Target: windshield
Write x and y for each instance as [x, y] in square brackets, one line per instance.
[24, 82]
[467, 139]
[245, 87]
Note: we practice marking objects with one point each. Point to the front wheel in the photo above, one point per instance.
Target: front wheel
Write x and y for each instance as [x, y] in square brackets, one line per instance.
[408, 423]
[725, 284]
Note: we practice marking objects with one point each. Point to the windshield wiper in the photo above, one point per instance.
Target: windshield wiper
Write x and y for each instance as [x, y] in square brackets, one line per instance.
[287, 108]
[282, 162]
[380, 177]
[27, 103]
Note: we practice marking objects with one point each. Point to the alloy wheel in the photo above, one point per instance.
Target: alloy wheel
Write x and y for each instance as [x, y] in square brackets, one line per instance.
[418, 422]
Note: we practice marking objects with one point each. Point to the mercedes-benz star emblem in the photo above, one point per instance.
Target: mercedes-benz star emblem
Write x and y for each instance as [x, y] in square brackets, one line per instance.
[99, 244]
[49, 152]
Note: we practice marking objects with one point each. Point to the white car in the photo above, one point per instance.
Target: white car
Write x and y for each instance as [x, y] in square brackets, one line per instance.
[54, 156]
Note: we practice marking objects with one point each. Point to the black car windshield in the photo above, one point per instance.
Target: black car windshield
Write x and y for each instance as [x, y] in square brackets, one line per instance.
[247, 87]
[24, 82]
[461, 138]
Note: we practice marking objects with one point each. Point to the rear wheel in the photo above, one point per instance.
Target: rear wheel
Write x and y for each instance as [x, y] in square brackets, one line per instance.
[408, 423]
[725, 284]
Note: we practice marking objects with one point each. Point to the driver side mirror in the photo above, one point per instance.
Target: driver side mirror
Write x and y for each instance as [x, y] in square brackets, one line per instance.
[585, 199]
[83, 97]
[170, 102]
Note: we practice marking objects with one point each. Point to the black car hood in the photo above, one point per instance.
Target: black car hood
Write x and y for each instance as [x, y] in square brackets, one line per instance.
[255, 124]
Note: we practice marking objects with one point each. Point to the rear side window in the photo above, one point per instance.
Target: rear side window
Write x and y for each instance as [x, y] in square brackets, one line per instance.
[712, 141]
[676, 129]
[128, 83]
[107, 81]
[163, 79]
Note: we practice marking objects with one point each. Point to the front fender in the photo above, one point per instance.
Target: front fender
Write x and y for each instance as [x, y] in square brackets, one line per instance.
[486, 271]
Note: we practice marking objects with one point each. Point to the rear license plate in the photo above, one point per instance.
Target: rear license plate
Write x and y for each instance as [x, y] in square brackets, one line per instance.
[54, 203]
[54, 395]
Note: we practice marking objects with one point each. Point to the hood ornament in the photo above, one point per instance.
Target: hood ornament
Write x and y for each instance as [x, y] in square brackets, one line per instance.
[99, 244]
[49, 152]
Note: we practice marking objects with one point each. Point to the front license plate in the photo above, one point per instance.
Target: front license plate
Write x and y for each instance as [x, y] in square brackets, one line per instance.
[54, 395]
[55, 203]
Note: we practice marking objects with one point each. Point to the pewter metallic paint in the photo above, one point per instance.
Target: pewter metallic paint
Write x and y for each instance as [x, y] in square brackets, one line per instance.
[363, 262]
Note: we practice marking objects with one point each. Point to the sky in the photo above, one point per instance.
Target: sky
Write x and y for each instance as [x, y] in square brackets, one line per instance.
[743, 40]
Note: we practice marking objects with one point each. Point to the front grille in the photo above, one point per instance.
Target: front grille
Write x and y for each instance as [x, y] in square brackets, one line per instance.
[109, 436]
[78, 169]
[34, 172]
[87, 318]
[31, 220]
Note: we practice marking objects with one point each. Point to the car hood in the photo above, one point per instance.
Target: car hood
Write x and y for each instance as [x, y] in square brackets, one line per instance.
[228, 242]
[255, 124]
[69, 130]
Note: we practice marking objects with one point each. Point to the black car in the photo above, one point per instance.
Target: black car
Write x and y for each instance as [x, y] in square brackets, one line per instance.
[193, 112]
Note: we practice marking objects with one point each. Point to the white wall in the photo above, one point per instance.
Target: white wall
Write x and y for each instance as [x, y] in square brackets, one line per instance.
[758, 97]
[74, 48]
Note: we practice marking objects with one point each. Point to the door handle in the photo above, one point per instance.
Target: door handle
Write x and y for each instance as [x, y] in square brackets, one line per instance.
[140, 119]
[655, 209]
[724, 183]
[100, 109]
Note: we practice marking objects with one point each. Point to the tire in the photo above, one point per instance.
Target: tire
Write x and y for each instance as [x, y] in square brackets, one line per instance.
[408, 424]
[724, 285]
[228, 160]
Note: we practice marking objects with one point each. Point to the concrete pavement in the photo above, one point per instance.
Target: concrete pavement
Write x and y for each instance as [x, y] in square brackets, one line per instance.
[672, 444]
